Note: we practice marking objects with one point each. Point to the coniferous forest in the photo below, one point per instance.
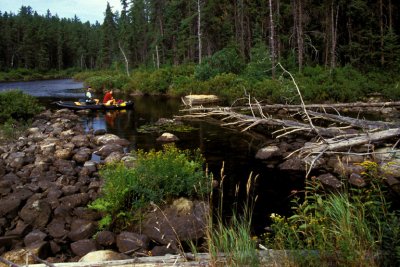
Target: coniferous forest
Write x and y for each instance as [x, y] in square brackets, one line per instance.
[362, 33]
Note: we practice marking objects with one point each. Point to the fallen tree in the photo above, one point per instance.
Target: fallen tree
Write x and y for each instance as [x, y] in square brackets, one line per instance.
[344, 134]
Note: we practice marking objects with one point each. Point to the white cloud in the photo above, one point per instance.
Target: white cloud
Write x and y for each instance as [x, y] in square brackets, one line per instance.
[85, 10]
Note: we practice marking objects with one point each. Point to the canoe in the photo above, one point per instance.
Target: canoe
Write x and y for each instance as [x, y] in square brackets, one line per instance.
[93, 106]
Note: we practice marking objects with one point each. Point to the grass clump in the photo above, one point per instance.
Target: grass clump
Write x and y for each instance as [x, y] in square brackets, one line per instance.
[232, 236]
[354, 227]
[158, 176]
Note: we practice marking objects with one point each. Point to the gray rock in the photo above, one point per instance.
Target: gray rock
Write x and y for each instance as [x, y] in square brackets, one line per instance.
[63, 153]
[80, 140]
[103, 255]
[105, 238]
[34, 237]
[268, 152]
[37, 213]
[107, 149]
[356, 180]
[167, 137]
[56, 228]
[329, 180]
[184, 221]
[83, 155]
[83, 247]
[162, 250]
[292, 164]
[113, 157]
[65, 167]
[128, 241]
[82, 229]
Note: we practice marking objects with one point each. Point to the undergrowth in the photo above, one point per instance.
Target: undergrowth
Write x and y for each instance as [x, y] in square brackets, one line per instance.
[157, 177]
[354, 227]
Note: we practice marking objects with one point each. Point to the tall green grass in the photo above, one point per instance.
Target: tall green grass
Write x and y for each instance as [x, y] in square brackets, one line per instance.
[229, 240]
[354, 227]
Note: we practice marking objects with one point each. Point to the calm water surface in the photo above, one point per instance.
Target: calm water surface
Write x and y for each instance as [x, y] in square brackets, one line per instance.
[217, 144]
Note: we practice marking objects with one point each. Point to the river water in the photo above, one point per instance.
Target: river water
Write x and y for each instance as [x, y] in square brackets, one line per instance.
[217, 144]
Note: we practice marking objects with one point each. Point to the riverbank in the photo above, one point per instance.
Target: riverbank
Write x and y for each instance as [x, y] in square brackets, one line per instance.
[47, 179]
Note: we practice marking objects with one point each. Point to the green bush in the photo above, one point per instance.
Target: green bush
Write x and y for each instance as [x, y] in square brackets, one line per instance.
[185, 85]
[227, 60]
[105, 82]
[15, 105]
[260, 64]
[158, 176]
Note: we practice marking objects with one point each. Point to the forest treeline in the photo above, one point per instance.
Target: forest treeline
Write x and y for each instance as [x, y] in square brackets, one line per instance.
[298, 33]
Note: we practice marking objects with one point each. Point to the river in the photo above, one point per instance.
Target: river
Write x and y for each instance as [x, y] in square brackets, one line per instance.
[217, 144]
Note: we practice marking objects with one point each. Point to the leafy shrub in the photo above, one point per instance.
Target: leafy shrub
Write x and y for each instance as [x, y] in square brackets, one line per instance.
[15, 105]
[185, 85]
[226, 60]
[104, 82]
[158, 176]
[260, 64]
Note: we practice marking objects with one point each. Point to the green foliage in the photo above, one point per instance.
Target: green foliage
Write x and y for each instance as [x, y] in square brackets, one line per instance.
[348, 228]
[15, 105]
[260, 64]
[234, 240]
[12, 129]
[105, 82]
[158, 176]
[227, 60]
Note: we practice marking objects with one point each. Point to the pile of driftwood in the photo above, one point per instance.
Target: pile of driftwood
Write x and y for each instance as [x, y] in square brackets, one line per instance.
[327, 130]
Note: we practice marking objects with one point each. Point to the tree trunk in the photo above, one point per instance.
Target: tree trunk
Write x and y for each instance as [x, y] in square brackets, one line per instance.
[126, 59]
[381, 31]
[199, 29]
[334, 23]
[157, 57]
[272, 39]
[298, 28]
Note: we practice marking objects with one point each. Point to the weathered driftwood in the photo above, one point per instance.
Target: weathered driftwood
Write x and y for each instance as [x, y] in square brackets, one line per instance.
[336, 144]
[246, 122]
[359, 123]
[266, 107]
[339, 137]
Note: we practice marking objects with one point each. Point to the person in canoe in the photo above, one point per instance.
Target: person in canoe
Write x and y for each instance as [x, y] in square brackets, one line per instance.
[89, 97]
[109, 99]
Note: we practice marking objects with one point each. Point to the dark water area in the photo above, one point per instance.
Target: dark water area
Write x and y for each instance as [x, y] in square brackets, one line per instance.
[220, 146]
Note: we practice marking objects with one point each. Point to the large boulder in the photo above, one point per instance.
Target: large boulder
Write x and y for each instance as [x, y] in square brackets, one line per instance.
[107, 149]
[184, 220]
[103, 255]
[83, 247]
[110, 139]
[36, 212]
[132, 242]
[167, 137]
[82, 229]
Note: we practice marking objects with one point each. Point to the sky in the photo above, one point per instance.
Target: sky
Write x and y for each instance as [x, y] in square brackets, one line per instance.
[85, 10]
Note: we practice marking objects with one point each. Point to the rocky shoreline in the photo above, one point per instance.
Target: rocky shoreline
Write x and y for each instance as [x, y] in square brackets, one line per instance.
[47, 179]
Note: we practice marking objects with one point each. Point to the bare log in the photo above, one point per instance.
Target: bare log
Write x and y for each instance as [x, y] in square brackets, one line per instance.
[310, 106]
[247, 122]
[336, 144]
[360, 123]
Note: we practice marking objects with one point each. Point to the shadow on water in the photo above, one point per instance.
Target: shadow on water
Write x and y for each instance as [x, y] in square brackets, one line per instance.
[218, 145]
